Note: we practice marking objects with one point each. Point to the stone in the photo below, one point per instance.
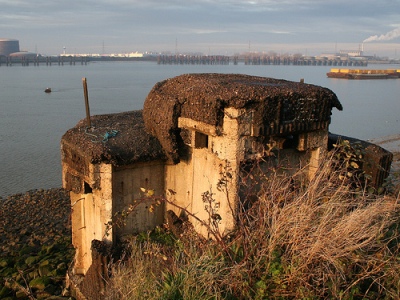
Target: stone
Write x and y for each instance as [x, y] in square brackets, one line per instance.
[44, 270]
[3, 263]
[20, 294]
[27, 250]
[4, 292]
[31, 260]
[39, 283]
[43, 263]
[42, 295]
[62, 267]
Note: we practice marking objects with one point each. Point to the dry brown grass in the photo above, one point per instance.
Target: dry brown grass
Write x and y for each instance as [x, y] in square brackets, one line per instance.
[330, 241]
[297, 241]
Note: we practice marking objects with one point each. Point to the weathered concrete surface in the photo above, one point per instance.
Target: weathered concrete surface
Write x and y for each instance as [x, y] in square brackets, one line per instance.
[93, 286]
[105, 176]
[377, 160]
[130, 144]
[281, 106]
[392, 144]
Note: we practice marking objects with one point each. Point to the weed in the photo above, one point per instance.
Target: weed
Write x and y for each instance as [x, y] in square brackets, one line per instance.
[328, 239]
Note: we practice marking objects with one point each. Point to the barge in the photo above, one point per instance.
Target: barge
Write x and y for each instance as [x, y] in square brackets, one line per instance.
[363, 74]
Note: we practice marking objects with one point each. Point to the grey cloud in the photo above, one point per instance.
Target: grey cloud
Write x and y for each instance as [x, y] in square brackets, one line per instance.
[133, 22]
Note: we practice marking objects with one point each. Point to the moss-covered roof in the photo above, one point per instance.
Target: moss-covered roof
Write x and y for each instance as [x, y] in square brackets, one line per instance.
[203, 97]
[127, 140]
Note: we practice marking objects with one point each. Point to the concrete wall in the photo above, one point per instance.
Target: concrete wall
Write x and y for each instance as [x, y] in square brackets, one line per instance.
[214, 164]
[196, 181]
[127, 184]
[91, 210]
[116, 189]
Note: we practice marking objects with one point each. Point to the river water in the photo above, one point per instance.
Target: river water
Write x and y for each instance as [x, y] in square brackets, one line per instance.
[33, 122]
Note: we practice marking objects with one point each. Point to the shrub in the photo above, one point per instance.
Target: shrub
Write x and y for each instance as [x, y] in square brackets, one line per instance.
[319, 240]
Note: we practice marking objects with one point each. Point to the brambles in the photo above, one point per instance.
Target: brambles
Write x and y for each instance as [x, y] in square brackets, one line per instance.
[211, 206]
[295, 241]
[120, 217]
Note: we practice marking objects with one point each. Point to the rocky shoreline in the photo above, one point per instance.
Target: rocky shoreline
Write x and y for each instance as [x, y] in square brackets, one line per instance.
[35, 242]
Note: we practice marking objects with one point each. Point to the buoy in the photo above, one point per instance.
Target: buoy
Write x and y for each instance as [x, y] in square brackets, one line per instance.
[48, 90]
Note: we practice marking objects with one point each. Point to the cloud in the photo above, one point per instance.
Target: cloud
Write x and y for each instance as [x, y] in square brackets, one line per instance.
[141, 24]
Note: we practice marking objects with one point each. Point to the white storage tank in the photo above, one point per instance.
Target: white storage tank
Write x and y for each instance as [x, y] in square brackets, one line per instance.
[8, 46]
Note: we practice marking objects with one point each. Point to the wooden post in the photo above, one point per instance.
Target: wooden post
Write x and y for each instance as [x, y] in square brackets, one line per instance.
[85, 93]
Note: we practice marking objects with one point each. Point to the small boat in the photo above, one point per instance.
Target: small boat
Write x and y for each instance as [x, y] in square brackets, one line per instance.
[363, 74]
[47, 90]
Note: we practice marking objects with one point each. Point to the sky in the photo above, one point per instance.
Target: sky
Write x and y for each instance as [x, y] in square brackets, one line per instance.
[226, 27]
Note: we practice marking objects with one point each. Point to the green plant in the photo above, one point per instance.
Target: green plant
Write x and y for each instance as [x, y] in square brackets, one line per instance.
[295, 241]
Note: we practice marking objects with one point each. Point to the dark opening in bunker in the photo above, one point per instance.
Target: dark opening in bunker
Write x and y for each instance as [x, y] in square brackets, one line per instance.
[291, 141]
[87, 188]
[200, 140]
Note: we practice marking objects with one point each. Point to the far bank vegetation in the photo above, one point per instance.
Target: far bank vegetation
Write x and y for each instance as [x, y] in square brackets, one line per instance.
[328, 239]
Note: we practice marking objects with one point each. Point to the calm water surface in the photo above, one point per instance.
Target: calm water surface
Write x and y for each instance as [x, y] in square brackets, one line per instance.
[33, 122]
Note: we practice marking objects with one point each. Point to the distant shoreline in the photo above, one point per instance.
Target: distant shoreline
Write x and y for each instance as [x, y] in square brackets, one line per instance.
[32, 59]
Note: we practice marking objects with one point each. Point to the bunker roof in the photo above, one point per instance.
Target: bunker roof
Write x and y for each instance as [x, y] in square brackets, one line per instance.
[118, 139]
[203, 97]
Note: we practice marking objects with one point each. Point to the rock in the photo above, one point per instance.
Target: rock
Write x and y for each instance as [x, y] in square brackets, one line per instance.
[6, 272]
[43, 295]
[27, 250]
[58, 298]
[3, 263]
[33, 274]
[62, 267]
[51, 289]
[20, 264]
[31, 260]
[21, 294]
[35, 238]
[44, 270]
[4, 292]
[39, 283]
[45, 262]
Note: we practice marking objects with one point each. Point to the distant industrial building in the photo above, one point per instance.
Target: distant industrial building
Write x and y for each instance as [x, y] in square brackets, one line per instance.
[352, 53]
[8, 46]
[23, 54]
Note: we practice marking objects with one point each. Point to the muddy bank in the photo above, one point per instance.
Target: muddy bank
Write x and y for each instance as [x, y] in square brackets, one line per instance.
[35, 243]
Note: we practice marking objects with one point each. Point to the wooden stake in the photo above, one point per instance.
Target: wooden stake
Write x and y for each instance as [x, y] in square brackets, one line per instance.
[86, 94]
